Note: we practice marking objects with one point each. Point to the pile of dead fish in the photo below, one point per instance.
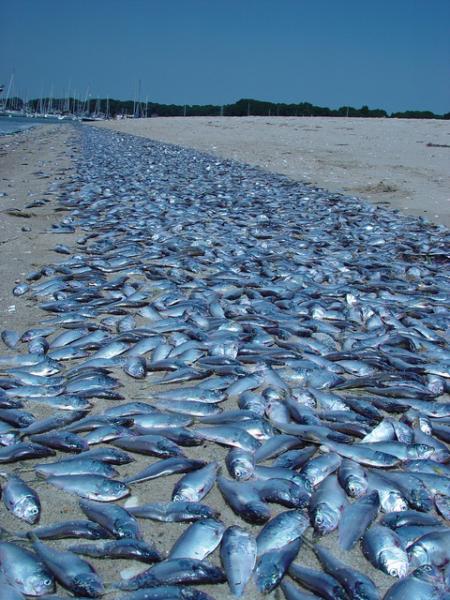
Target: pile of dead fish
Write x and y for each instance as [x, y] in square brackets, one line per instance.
[278, 343]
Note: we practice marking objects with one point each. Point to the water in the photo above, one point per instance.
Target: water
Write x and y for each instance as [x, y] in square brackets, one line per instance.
[10, 125]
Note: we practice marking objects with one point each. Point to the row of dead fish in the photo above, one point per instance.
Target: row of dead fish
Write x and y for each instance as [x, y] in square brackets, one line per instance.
[300, 337]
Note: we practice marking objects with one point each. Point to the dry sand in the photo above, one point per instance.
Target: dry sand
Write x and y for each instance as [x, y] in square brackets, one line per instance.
[23, 158]
[386, 161]
[31, 162]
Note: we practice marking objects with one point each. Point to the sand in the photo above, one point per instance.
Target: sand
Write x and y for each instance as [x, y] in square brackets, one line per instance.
[386, 161]
[31, 164]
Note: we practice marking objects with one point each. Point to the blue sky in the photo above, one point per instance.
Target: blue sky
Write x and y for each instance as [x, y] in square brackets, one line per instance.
[390, 54]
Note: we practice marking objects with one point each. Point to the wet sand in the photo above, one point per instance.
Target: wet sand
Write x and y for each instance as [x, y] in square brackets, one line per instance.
[32, 164]
[385, 161]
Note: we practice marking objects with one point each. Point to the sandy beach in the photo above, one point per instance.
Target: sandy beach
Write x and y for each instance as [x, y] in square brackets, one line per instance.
[400, 163]
[32, 166]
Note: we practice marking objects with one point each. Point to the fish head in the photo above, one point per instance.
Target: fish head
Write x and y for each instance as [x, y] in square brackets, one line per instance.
[394, 502]
[113, 489]
[420, 451]
[324, 518]
[243, 470]
[394, 561]
[38, 584]
[27, 510]
[88, 584]
[356, 486]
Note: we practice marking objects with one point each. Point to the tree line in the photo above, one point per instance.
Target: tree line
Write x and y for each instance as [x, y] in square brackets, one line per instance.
[243, 107]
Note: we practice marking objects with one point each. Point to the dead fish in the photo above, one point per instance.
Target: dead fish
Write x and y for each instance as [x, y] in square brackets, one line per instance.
[21, 499]
[198, 540]
[24, 451]
[153, 445]
[70, 529]
[317, 581]
[174, 512]
[356, 518]
[194, 486]
[383, 548]
[112, 517]
[326, 505]
[352, 478]
[73, 573]
[244, 500]
[281, 530]
[167, 466]
[240, 463]
[356, 584]
[175, 571]
[272, 566]
[431, 549]
[229, 436]
[76, 466]
[24, 570]
[125, 548]
[92, 487]
[238, 556]
[417, 585]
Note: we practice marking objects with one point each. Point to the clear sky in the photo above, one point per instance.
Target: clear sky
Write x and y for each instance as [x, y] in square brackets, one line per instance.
[391, 54]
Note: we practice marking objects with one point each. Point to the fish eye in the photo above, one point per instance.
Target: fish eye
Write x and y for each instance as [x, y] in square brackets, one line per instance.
[394, 572]
[47, 582]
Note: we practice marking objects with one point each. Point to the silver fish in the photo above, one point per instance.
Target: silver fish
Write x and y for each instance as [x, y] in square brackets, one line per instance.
[238, 556]
[326, 505]
[167, 466]
[352, 478]
[113, 518]
[383, 548]
[324, 584]
[92, 487]
[431, 549]
[281, 530]
[175, 571]
[170, 512]
[240, 463]
[72, 572]
[21, 500]
[25, 571]
[355, 583]
[198, 540]
[356, 518]
[272, 566]
[194, 486]
[125, 548]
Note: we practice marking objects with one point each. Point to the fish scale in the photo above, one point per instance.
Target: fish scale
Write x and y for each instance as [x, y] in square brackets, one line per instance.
[315, 318]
